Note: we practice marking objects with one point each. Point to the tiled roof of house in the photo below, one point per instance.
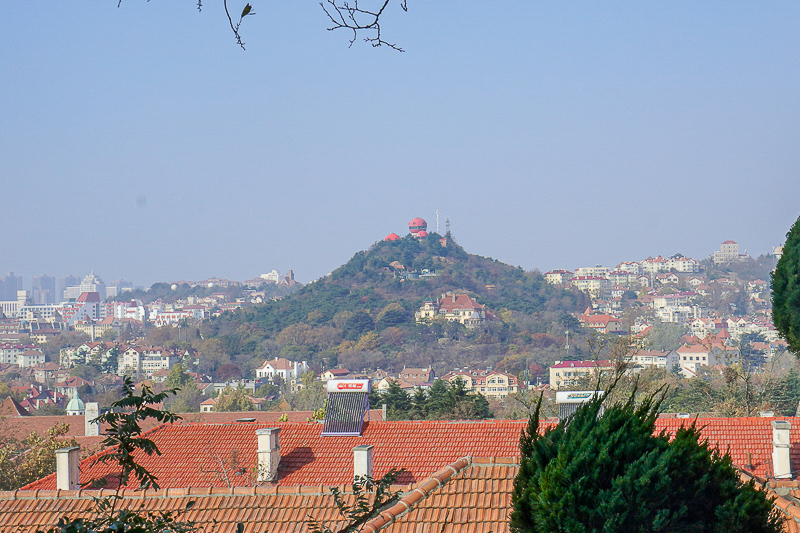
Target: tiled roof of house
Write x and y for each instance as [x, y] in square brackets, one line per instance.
[11, 407]
[451, 302]
[191, 453]
[466, 496]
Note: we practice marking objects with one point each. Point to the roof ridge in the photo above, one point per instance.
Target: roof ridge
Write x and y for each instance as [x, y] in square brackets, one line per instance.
[422, 491]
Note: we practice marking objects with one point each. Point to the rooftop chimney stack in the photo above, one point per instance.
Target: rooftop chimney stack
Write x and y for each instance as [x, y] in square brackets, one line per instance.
[781, 466]
[362, 461]
[67, 471]
[269, 453]
[92, 429]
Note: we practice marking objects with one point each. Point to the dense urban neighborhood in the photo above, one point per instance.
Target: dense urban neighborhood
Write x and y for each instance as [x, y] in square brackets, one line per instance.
[414, 333]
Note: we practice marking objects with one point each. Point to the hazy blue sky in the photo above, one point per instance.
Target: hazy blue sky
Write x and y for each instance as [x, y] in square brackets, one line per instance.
[141, 142]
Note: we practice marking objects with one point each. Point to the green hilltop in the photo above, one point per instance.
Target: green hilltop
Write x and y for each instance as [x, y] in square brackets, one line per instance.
[362, 314]
[408, 271]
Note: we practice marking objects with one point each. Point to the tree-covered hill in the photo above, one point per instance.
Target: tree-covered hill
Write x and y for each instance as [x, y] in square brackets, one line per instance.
[361, 316]
[407, 272]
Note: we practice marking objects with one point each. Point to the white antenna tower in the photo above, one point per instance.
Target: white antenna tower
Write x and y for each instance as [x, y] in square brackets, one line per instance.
[437, 221]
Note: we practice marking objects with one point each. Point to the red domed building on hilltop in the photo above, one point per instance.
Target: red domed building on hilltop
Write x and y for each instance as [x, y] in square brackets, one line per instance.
[417, 225]
[392, 237]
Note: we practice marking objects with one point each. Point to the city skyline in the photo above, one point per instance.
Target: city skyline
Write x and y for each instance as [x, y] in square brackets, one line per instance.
[143, 144]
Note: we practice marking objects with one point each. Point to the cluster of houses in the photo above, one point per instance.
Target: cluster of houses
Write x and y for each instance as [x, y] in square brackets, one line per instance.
[713, 351]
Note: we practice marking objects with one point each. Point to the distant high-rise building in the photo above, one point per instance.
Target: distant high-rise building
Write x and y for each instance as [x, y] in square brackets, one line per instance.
[9, 285]
[63, 284]
[44, 289]
[91, 283]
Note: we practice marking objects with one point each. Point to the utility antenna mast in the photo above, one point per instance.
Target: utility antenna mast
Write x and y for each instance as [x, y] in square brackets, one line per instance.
[437, 221]
[447, 226]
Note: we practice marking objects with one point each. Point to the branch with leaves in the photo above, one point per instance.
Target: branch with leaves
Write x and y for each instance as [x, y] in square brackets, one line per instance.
[370, 497]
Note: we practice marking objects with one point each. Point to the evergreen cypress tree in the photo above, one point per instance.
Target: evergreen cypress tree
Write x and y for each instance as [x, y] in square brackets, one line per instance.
[786, 291]
[609, 473]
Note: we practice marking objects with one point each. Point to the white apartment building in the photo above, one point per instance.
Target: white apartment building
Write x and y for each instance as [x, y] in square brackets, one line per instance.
[599, 271]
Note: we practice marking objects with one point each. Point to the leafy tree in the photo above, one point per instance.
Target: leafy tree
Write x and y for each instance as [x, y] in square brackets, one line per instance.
[187, 400]
[124, 435]
[233, 400]
[358, 324]
[786, 291]
[25, 461]
[396, 400]
[638, 482]
[666, 336]
[177, 377]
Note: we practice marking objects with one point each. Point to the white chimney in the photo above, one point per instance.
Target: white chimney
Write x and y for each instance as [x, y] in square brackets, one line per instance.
[92, 429]
[781, 466]
[362, 461]
[269, 453]
[67, 468]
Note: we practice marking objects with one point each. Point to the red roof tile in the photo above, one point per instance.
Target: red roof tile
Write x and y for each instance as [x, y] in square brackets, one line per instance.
[193, 453]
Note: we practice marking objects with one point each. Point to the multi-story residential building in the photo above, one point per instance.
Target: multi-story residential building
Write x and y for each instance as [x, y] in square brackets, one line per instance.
[131, 309]
[30, 358]
[621, 277]
[602, 323]
[286, 370]
[632, 267]
[87, 308]
[728, 252]
[654, 265]
[666, 359]
[569, 373]
[490, 383]
[596, 286]
[146, 360]
[10, 352]
[684, 265]
[557, 277]
[599, 271]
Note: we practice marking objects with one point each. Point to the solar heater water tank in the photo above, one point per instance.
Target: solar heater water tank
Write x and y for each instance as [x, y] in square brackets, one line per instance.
[348, 403]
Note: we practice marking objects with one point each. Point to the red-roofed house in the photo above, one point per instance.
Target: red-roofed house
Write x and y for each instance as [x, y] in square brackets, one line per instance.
[453, 307]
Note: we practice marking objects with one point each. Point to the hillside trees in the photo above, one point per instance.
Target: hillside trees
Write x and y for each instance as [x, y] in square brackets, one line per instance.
[786, 290]
[637, 481]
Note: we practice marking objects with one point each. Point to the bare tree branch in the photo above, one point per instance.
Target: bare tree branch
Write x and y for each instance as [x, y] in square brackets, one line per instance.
[351, 16]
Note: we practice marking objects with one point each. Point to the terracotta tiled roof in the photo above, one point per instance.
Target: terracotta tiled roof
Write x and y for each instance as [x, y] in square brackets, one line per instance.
[11, 407]
[468, 496]
[191, 452]
[451, 302]
[465, 496]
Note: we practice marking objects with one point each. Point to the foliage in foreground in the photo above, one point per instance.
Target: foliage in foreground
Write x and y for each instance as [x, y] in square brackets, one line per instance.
[124, 436]
[786, 290]
[369, 497]
[608, 472]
